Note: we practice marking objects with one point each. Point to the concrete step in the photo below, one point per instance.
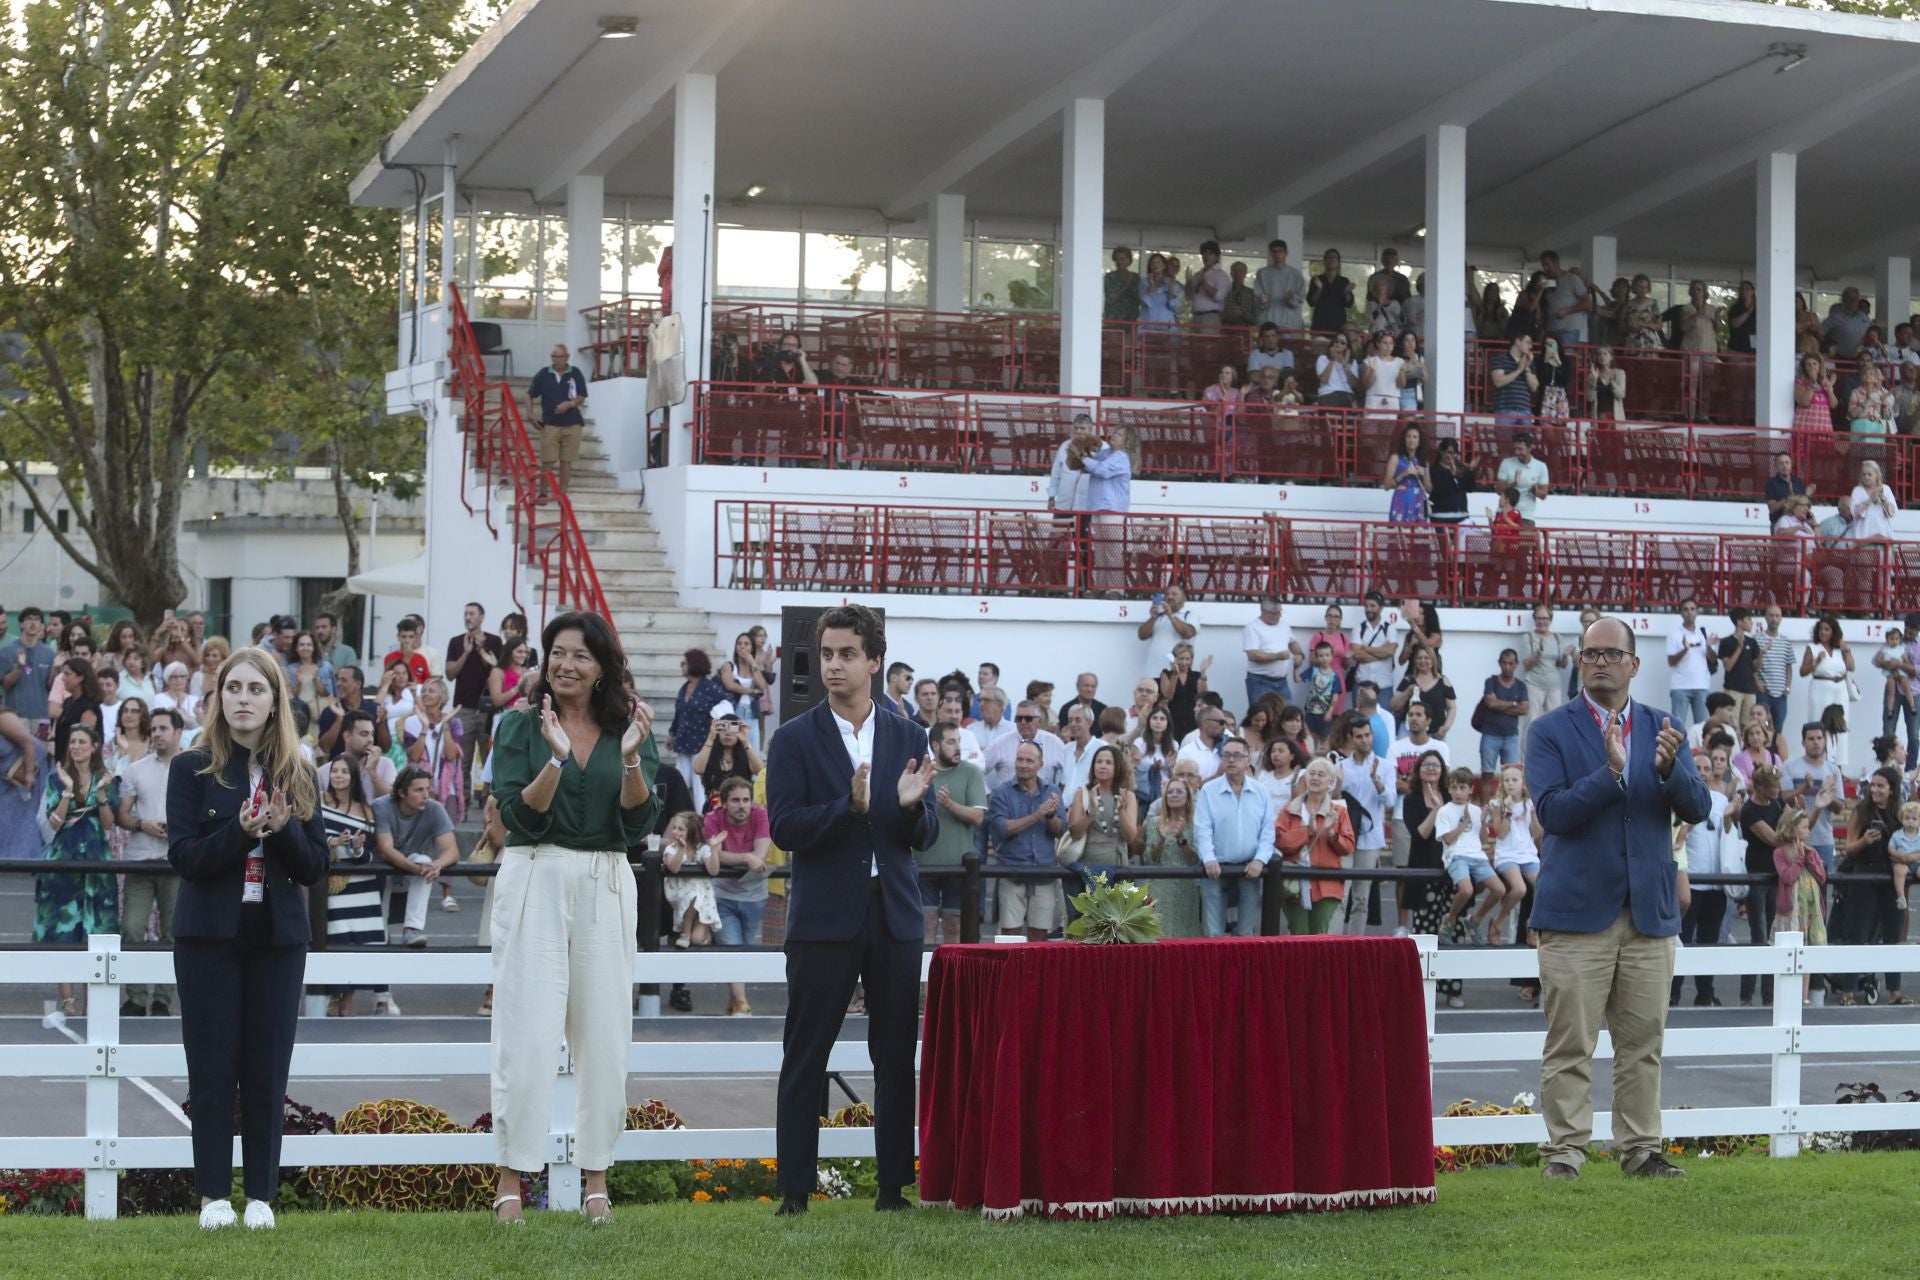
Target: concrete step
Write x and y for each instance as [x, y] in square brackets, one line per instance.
[638, 560]
[642, 540]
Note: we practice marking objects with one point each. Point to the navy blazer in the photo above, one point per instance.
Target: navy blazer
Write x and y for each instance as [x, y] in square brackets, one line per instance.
[831, 848]
[1602, 841]
[206, 845]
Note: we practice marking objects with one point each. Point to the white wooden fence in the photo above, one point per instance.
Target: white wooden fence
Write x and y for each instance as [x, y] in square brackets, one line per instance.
[102, 1060]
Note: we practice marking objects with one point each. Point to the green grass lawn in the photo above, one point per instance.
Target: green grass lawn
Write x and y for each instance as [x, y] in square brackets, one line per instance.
[1845, 1216]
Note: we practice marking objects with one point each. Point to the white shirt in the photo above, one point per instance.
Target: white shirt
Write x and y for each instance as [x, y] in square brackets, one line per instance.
[1405, 749]
[859, 745]
[1163, 637]
[146, 780]
[987, 735]
[1451, 818]
[1076, 766]
[1206, 757]
[1691, 672]
[1871, 519]
[971, 752]
[1258, 635]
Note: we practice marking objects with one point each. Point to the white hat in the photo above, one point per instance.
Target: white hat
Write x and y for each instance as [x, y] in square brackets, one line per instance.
[724, 710]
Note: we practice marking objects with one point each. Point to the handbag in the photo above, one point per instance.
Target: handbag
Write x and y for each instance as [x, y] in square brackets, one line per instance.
[1478, 720]
[1853, 688]
[1069, 848]
[1732, 861]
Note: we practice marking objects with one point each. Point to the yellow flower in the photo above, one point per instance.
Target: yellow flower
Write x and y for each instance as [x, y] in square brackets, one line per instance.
[769, 1164]
[698, 1164]
[719, 1190]
[701, 1197]
[702, 1176]
[766, 1199]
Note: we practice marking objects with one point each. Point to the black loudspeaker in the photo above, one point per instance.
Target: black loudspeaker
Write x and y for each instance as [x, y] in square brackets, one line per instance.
[800, 685]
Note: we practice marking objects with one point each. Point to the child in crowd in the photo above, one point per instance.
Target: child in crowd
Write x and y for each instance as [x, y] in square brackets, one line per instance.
[1898, 700]
[1322, 690]
[690, 898]
[1802, 874]
[1505, 521]
[1904, 848]
[1460, 824]
[1834, 721]
[1516, 850]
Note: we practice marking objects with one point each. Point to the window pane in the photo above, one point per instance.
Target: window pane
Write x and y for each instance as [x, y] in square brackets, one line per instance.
[1013, 277]
[553, 254]
[846, 268]
[432, 252]
[908, 287]
[758, 264]
[612, 252]
[503, 274]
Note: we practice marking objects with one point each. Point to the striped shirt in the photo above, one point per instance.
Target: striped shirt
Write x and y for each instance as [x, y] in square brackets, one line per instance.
[1776, 665]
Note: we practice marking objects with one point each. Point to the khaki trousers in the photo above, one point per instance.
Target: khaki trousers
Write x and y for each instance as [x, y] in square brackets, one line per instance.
[563, 935]
[143, 893]
[1619, 977]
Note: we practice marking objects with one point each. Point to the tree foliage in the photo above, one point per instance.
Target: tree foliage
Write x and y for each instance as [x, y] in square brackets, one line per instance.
[180, 255]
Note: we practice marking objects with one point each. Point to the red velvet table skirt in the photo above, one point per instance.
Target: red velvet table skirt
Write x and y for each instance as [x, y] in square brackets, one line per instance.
[1247, 1075]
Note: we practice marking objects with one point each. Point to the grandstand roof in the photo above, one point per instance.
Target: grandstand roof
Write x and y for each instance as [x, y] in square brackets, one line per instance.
[1638, 118]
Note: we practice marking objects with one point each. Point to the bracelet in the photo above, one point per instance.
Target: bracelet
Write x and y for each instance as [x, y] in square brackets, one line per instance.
[635, 765]
[557, 763]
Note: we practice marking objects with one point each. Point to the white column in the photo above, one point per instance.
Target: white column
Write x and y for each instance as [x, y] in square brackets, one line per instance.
[449, 212]
[946, 252]
[1893, 302]
[1773, 282]
[1446, 335]
[1292, 227]
[1602, 263]
[695, 129]
[586, 206]
[1083, 180]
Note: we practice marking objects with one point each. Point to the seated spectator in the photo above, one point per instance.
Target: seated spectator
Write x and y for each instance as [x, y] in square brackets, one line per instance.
[413, 832]
[1783, 484]
[690, 902]
[1267, 352]
[1461, 827]
[1337, 375]
[788, 366]
[1224, 391]
[1796, 518]
[1023, 821]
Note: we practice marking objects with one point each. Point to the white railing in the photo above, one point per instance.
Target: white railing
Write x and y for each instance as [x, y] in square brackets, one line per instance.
[102, 1061]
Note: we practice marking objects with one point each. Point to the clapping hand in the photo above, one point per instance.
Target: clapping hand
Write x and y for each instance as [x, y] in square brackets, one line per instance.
[66, 779]
[858, 800]
[639, 729]
[486, 656]
[1617, 748]
[1667, 747]
[914, 781]
[557, 740]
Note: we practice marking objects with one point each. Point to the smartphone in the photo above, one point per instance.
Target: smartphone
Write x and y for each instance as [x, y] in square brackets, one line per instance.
[1158, 599]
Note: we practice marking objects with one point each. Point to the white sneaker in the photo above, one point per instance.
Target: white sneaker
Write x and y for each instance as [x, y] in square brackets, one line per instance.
[449, 904]
[386, 1006]
[1401, 932]
[259, 1215]
[1456, 1002]
[216, 1214]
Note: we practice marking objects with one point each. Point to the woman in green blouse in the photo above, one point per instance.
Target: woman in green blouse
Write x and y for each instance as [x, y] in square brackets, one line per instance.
[573, 773]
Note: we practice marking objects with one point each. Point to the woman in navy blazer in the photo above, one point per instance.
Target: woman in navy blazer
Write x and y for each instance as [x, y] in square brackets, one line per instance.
[244, 832]
[848, 799]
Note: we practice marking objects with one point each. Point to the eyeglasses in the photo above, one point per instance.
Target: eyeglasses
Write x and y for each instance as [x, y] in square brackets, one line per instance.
[1604, 657]
[1024, 719]
[1233, 755]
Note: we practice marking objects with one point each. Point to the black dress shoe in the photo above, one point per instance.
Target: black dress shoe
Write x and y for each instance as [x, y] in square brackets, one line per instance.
[132, 1009]
[160, 1009]
[1654, 1165]
[680, 998]
[1558, 1171]
[1706, 1002]
[790, 1206]
[890, 1202]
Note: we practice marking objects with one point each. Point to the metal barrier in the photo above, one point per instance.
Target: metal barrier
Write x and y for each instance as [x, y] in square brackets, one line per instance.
[101, 1061]
[1003, 433]
[957, 550]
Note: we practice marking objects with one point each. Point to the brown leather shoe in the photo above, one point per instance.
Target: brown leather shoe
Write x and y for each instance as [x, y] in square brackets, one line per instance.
[1653, 1165]
[1558, 1171]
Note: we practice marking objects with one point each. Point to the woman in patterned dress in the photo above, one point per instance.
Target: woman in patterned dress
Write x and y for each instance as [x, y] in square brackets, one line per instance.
[81, 798]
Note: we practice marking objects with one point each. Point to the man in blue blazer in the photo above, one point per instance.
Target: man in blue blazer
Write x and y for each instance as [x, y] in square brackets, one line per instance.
[847, 798]
[1609, 778]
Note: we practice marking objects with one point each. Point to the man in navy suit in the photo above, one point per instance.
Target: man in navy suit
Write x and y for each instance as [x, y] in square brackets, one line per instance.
[848, 800]
[1609, 778]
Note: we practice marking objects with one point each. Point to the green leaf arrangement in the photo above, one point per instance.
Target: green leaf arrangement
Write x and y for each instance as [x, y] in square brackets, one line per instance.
[1109, 913]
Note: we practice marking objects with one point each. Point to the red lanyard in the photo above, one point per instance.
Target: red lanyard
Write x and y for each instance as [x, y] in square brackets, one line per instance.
[1599, 722]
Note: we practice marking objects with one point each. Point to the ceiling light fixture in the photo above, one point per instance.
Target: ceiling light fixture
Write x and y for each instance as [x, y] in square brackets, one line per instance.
[755, 191]
[1795, 54]
[1420, 233]
[619, 27]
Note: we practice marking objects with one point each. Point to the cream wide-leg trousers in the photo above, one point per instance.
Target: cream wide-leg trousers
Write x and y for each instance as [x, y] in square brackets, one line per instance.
[563, 937]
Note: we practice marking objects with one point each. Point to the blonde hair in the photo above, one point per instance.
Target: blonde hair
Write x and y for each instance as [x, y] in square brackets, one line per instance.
[1514, 768]
[1792, 826]
[1910, 811]
[1766, 775]
[279, 751]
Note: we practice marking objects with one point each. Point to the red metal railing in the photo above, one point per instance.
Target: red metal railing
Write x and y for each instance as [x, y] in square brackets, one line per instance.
[1199, 440]
[495, 444]
[803, 546]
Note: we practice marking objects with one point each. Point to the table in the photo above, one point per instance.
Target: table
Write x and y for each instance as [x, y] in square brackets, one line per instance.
[1258, 1075]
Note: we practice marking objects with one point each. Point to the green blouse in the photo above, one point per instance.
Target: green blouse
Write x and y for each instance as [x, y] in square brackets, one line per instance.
[585, 812]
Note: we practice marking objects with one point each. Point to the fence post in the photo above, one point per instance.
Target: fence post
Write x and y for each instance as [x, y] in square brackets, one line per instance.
[1786, 1066]
[1428, 945]
[1270, 895]
[103, 1087]
[651, 878]
[563, 1174]
[970, 897]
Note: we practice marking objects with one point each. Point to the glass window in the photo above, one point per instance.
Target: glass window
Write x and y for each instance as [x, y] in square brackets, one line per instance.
[907, 282]
[1010, 276]
[646, 241]
[613, 252]
[846, 268]
[432, 252]
[757, 264]
[553, 258]
[503, 268]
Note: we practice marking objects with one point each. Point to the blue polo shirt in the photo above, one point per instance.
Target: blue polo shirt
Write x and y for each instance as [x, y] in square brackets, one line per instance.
[551, 388]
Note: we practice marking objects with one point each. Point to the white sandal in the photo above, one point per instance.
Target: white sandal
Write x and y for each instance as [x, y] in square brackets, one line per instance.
[507, 1222]
[603, 1219]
